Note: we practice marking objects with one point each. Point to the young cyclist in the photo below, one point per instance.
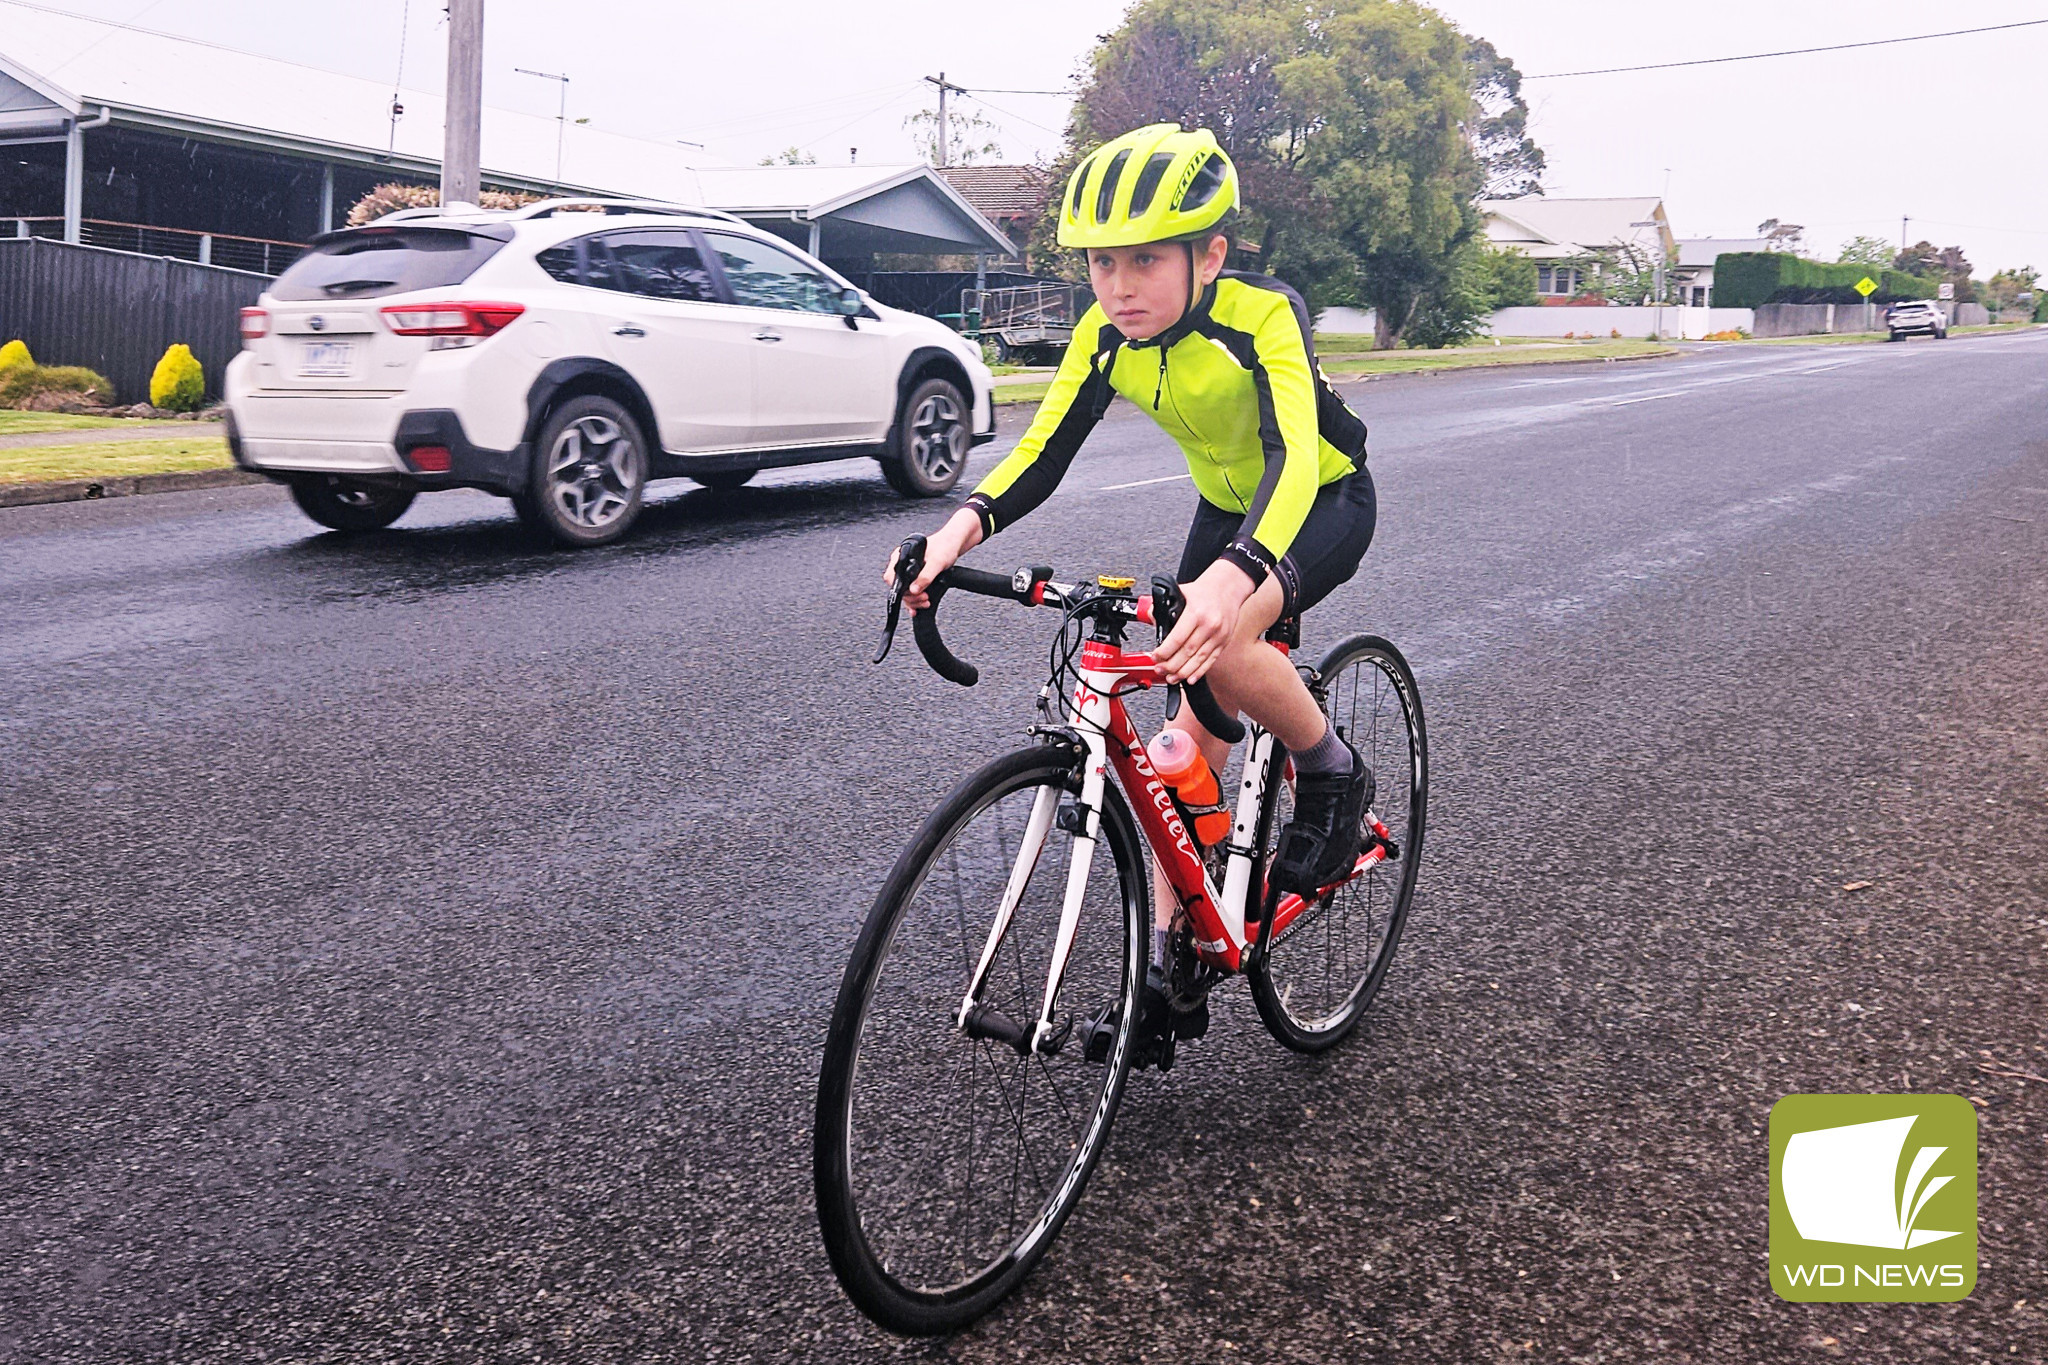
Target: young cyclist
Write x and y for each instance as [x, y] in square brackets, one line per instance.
[1225, 363]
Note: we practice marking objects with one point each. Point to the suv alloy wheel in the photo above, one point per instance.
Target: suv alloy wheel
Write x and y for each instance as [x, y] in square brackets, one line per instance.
[932, 438]
[588, 474]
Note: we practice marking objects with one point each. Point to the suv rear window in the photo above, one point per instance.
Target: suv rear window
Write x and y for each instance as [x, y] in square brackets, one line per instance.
[373, 262]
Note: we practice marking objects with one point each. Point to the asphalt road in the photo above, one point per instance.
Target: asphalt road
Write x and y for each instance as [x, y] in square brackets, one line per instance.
[419, 947]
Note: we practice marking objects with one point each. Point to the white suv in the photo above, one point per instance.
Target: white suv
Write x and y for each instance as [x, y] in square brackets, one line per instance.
[564, 354]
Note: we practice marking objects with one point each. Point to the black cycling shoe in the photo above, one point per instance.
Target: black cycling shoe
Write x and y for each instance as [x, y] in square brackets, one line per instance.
[1321, 842]
[1162, 1022]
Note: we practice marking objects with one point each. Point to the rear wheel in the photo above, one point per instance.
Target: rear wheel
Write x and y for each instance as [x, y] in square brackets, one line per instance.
[344, 504]
[589, 473]
[932, 437]
[1323, 968]
[946, 1160]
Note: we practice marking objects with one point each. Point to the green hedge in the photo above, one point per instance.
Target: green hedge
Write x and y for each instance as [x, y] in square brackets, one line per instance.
[1749, 279]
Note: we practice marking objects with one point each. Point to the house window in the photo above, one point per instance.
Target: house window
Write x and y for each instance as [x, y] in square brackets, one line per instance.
[1556, 280]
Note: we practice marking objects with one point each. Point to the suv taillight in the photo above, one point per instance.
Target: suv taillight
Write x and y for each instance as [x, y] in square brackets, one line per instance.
[255, 324]
[450, 319]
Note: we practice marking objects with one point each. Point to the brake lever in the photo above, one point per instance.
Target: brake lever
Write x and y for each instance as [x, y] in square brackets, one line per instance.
[909, 563]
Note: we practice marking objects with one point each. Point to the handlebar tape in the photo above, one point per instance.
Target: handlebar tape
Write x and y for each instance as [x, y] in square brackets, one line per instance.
[924, 628]
[1167, 601]
[1225, 728]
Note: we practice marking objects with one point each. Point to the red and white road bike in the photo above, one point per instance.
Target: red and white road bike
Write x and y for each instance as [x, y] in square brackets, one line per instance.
[986, 1022]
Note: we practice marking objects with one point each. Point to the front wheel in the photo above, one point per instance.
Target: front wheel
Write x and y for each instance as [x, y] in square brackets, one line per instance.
[344, 504]
[1323, 967]
[945, 1160]
[932, 437]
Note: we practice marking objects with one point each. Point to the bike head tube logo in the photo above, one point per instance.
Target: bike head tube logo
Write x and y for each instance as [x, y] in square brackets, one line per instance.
[1873, 1198]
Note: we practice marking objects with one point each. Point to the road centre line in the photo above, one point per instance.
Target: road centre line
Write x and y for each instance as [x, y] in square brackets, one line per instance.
[1624, 402]
[1141, 483]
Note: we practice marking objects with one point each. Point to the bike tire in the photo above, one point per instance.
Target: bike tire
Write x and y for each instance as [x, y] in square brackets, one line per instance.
[860, 1117]
[1312, 1010]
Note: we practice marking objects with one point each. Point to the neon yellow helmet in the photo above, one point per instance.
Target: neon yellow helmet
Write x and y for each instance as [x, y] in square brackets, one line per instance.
[1157, 184]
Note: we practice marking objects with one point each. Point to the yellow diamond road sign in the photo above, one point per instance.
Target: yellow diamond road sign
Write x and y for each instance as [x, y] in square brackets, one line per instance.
[1866, 286]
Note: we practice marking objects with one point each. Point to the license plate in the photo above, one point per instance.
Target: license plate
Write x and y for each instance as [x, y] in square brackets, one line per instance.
[328, 360]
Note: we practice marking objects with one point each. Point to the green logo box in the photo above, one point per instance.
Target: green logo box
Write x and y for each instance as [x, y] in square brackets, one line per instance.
[1873, 1198]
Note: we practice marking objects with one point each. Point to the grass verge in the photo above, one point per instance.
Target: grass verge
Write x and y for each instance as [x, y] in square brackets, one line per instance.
[17, 423]
[1408, 362]
[1858, 338]
[112, 459]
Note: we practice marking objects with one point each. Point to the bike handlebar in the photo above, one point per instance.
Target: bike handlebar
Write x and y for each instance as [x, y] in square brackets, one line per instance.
[1031, 587]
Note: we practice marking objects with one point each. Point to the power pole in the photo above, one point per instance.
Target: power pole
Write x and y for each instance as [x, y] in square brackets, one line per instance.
[941, 82]
[462, 141]
[1902, 232]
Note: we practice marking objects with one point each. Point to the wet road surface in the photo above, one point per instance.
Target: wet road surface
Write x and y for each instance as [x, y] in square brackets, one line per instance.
[418, 947]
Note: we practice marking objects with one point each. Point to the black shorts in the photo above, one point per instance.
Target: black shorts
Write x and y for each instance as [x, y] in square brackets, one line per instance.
[1325, 553]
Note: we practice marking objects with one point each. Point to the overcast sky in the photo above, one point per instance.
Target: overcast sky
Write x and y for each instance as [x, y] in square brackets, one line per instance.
[1949, 132]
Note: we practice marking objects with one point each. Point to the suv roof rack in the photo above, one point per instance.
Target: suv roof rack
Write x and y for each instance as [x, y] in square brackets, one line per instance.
[582, 204]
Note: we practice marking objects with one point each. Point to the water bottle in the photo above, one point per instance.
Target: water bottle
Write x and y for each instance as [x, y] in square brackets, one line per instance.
[1179, 763]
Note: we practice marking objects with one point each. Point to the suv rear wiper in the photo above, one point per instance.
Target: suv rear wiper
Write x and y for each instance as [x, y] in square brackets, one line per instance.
[355, 286]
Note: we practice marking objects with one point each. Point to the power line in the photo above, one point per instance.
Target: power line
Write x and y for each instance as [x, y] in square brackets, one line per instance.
[1788, 52]
[991, 90]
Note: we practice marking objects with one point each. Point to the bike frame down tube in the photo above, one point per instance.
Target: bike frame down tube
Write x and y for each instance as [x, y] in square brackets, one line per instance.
[1104, 668]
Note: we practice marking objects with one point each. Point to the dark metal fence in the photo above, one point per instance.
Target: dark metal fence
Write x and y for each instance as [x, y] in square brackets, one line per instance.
[117, 313]
[932, 292]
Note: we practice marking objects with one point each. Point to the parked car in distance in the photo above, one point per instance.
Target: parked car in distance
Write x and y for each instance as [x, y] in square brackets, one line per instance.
[564, 354]
[1915, 317]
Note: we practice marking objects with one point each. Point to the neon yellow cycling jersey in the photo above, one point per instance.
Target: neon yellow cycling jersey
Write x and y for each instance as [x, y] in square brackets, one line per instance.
[1234, 383]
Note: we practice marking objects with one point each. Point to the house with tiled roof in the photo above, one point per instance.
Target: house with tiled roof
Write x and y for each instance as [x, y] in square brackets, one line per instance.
[1011, 197]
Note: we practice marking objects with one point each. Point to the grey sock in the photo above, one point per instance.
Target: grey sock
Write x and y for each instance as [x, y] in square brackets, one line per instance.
[1159, 937]
[1328, 755]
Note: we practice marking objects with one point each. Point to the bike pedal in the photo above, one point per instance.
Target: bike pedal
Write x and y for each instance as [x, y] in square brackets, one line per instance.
[1098, 1033]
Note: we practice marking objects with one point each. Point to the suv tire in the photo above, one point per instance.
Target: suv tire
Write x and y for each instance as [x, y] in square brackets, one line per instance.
[932, 438]
[589, 473]
[344, 504]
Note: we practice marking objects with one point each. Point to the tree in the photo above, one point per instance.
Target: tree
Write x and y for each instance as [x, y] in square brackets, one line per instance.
[1874, 252]
[1943, 265]
[2006, 286]
[1500, 134]
[790, 156]
[1356, 125]
[1455, 310]
[1630, 274]
[962, 132]
[1510, 280]
[1781, 236]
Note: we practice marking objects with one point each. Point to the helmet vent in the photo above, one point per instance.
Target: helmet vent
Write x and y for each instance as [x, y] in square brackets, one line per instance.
[1105, 196]
[1080, 183]
[1202, 188]
[1149, 176]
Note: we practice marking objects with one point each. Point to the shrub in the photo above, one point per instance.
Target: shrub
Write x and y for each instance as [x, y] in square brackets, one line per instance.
[46, 386]
[1614, 332]
[179, 383]
[1726, 334]
[15, 353]
[393, 197]
[1750, 279]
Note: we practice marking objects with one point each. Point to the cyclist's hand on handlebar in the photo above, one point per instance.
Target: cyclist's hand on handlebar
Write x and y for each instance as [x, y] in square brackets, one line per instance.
[1207, 623]
[959, 535]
